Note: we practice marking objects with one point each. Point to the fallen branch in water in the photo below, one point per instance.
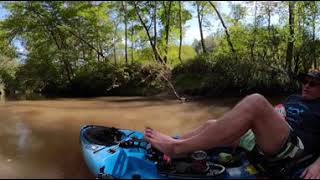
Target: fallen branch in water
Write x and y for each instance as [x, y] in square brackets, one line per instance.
[113, 85]
[182, 99]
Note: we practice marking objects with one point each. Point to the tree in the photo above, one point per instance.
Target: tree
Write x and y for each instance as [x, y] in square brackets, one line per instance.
[200, 6]
[180, 31]
[290, 43]
[146, 27]
[167, 13]
[238, 12]
[125, 9]
[224, 26]
[62, 34]
[8, 65]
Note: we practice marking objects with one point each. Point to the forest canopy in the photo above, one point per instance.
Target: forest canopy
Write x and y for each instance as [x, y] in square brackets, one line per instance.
[96, 48]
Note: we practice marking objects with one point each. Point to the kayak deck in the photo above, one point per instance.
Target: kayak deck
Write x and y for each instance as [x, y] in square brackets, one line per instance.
[128, 156]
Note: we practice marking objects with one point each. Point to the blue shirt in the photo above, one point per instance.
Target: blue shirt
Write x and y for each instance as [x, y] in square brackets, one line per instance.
[304, 118]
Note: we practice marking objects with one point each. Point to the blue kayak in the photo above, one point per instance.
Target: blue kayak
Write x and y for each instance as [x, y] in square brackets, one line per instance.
[106, 159]
[124, 154]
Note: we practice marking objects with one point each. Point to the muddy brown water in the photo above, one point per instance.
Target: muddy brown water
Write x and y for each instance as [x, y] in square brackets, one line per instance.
[40, 138]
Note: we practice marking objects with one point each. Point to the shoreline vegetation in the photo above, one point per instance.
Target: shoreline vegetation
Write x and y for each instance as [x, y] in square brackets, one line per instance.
[134, 48]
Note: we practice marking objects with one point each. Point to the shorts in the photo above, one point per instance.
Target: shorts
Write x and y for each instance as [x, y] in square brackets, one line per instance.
[292, 147]
[248, 140]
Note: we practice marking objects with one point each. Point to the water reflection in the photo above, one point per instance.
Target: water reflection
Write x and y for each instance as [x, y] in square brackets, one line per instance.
[22, 132]
[2, 96]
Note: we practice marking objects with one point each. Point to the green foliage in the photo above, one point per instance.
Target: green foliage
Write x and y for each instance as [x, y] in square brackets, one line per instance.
[145, 56]
[222, 75]
[8, 64]
[141, 79]
[132, 79]
[202, 76]
[77, 48]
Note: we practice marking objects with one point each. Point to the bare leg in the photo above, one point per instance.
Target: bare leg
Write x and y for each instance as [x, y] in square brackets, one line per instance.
[197, 130]
[201, 128]
[253, 112]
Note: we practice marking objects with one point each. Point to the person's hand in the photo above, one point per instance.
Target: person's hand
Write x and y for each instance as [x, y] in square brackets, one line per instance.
[312, 172]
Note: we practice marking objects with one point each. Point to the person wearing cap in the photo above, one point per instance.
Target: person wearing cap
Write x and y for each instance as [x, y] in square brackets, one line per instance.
[254, 124]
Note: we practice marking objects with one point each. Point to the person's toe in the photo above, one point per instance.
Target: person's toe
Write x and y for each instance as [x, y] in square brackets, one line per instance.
[148, 134]
[148, 128]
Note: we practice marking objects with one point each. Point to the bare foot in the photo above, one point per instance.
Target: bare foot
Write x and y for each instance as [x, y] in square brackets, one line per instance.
[162, 142]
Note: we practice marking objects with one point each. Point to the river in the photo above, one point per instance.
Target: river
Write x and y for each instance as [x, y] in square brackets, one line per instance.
[40, 138]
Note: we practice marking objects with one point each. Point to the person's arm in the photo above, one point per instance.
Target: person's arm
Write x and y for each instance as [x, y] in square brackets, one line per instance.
[313, 171]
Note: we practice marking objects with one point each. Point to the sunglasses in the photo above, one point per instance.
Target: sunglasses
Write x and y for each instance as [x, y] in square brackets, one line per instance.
[311, 83]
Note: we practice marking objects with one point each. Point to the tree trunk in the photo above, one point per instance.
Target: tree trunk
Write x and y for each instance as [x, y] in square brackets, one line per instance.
[290, 39]
[155, 26]
[180, 27]
[200, 17]
[269, 18]
[125, 7]
[114, 45]
[66, 63]
[270, 39]
[224, 26]
[296, 62]
[270, 42]
[167, 30]
[99, 49]
[252, 45]
[314, 39]
[59, 46]
[132, 44]
[154, 48]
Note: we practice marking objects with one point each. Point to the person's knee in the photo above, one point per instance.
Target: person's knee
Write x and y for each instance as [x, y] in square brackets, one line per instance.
[254, 105]
[210, 122]
[256, 101]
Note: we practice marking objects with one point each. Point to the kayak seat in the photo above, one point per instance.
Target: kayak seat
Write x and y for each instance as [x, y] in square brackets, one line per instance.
[103, 135]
